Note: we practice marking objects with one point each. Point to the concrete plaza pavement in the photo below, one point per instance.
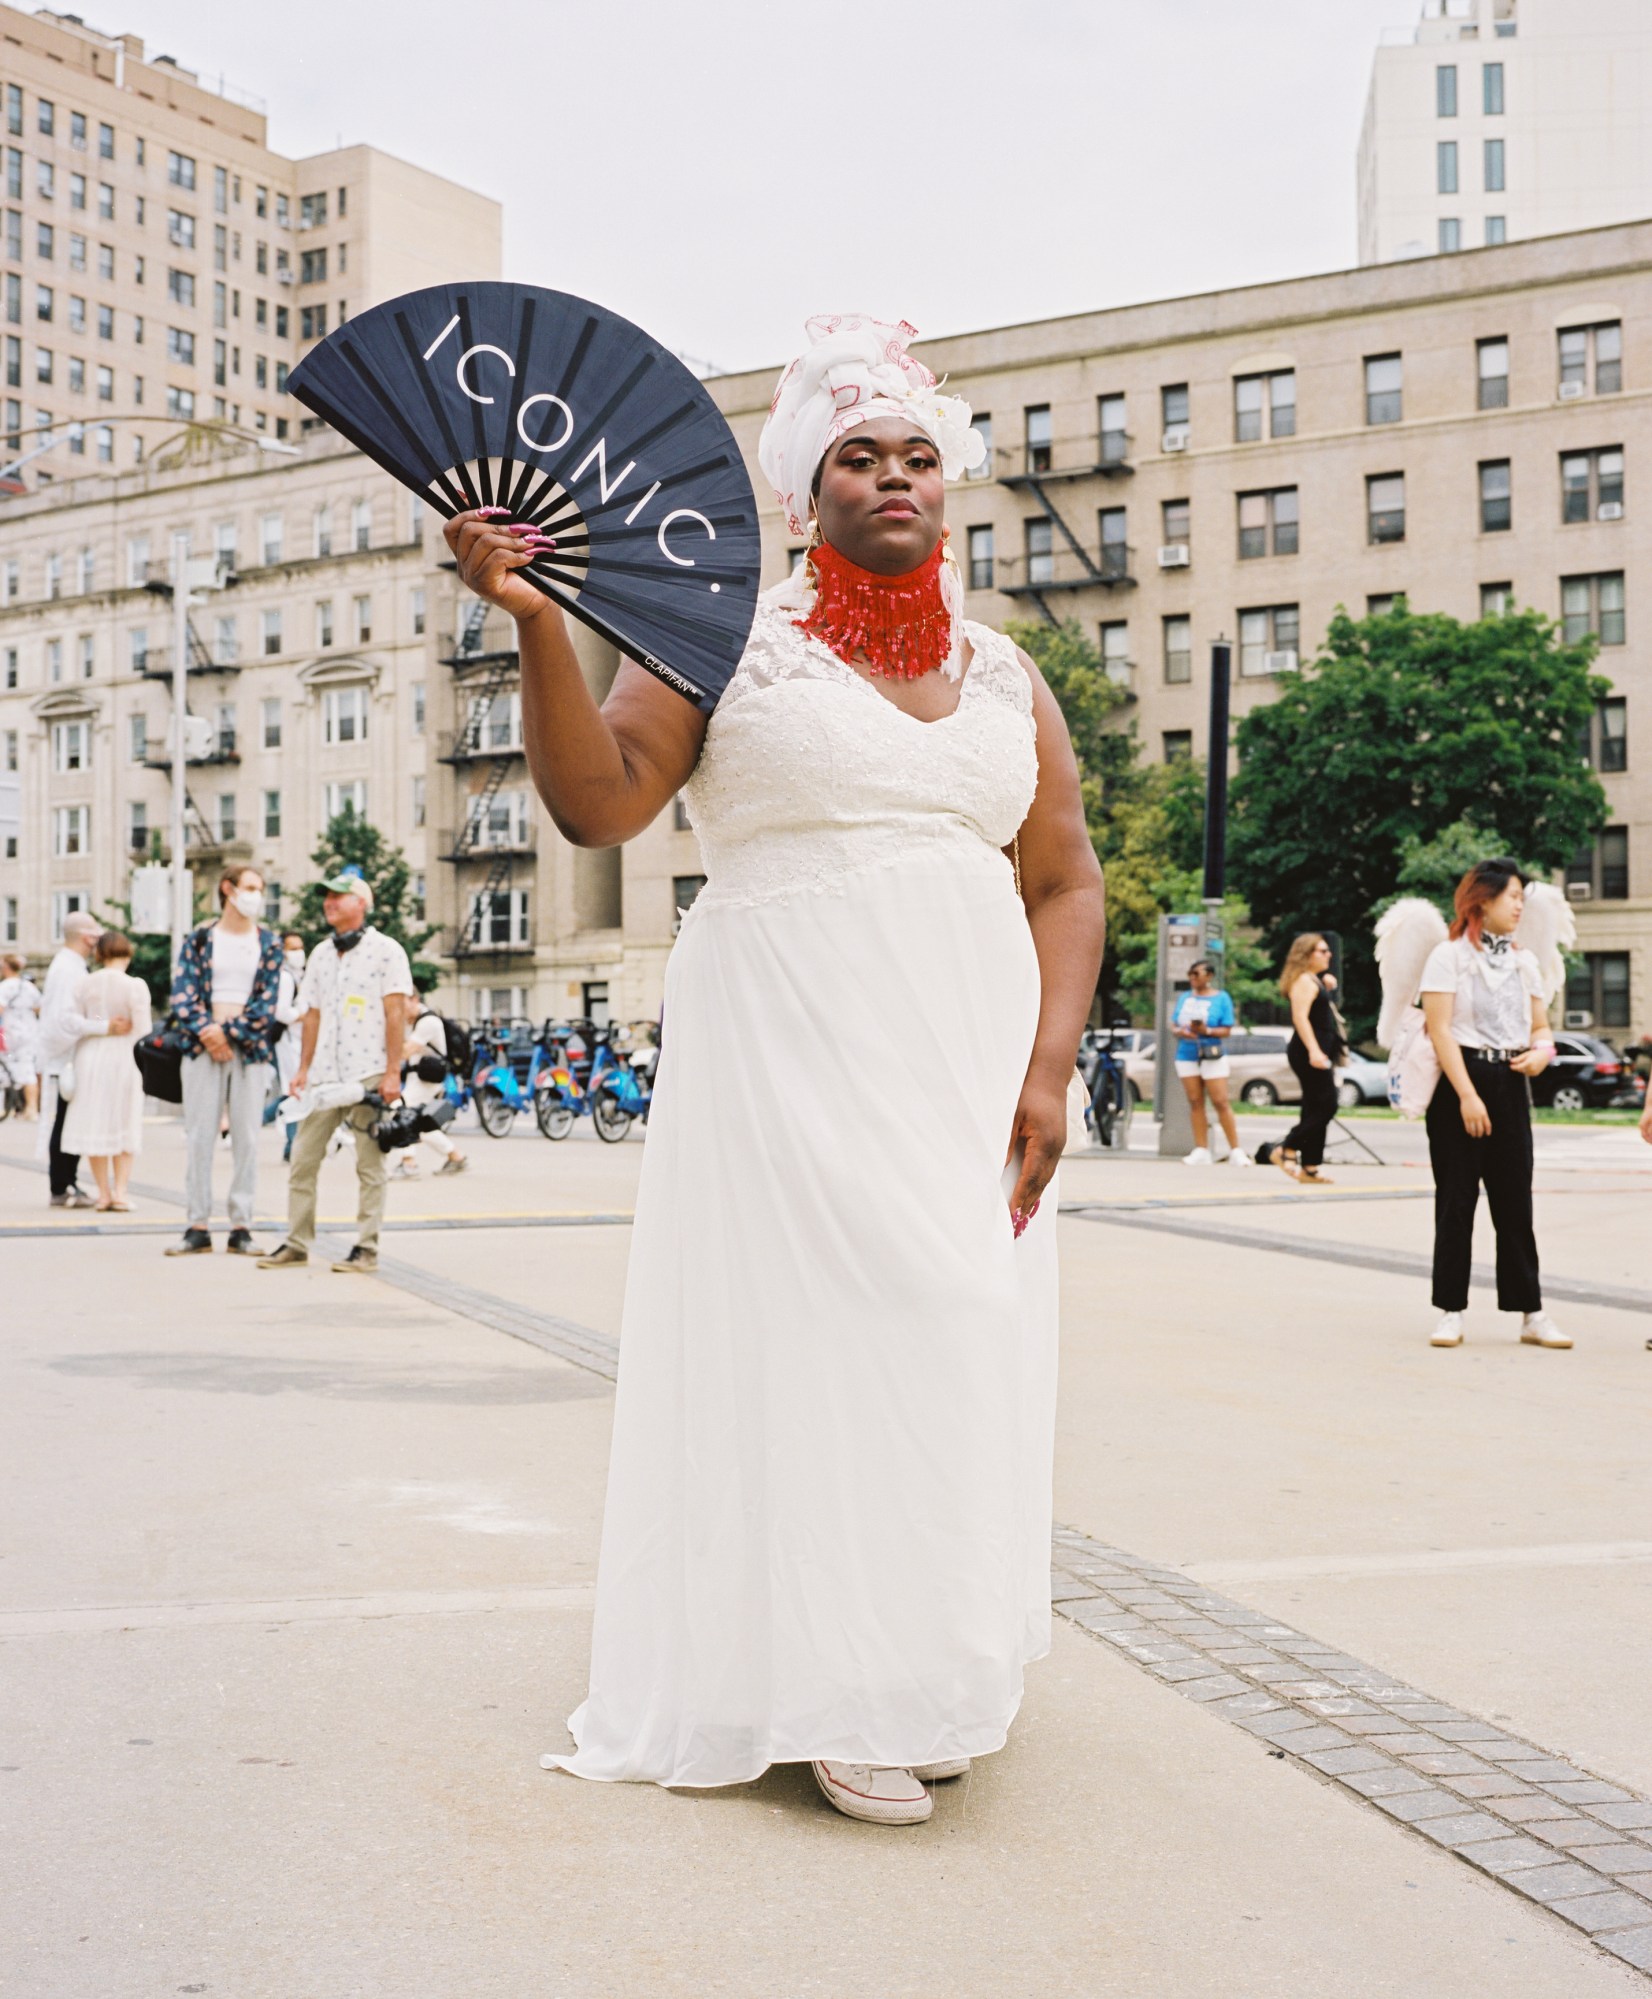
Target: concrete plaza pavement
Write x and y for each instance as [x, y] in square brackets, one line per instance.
[297, 1585]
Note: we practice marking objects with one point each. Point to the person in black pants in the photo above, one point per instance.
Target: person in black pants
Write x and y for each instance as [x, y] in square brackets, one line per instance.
[1483, 1001]
[1312, 1053]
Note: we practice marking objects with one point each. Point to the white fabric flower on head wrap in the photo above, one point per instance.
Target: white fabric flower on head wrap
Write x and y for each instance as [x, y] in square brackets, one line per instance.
[855, 369]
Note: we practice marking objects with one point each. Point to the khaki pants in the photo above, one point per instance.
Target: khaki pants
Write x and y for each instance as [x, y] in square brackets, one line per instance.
[310, 1148]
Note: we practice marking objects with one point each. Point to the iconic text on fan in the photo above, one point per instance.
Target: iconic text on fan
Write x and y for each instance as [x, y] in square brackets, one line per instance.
[546, 412]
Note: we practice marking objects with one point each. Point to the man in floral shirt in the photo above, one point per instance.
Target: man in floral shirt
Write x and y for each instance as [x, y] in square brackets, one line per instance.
[223, 1000]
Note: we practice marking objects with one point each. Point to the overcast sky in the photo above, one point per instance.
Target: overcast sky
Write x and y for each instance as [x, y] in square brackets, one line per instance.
[718, 171]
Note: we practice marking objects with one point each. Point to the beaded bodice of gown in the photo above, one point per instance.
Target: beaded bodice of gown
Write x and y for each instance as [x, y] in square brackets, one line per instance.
[809, 775]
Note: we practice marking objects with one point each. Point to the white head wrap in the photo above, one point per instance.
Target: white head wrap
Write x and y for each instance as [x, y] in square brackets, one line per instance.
[853, 370]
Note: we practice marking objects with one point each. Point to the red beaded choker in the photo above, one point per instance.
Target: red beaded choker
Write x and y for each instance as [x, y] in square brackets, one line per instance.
[899, 625]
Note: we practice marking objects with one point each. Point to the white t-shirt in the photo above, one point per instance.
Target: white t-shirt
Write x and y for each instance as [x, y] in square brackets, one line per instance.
[1493, 995]
[234, 967]
[348, 991]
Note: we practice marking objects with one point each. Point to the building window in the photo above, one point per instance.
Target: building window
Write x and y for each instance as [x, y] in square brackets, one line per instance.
[1175, 416]
[180, 170]
[9, 746]
[1269, 640]
[1445, 90]
[71, 830]
[1178, 745]
[65, 902]
[418, 609]
[1385, 507]
[226, 640]
[1603, 868]
[1593, 605]
[137, 641]
[1496, 496]
[88, 656]
[500, 917]
[1494, 166]
[312, 267]
[1491, 89]
[180, 402]
[272, 724]
[71, 746]
[1385, 605]
[1268, 523]
[1451, 234]
[1384, 388]
[1492, 360]
[1040, 442]
[418, 799]
[1115, 553]
[270, 538]
[980, 422]
[980, 558]
[324, 624]
[344, 715]
[1598, 989]
[1040, 551]
[361, 525]
[8, 668]
[1114, 439]
[1115, 652]
[1496, 600]
[1592, 354]
[272, 815]
[323, 531]
[1264, 406]
[1176, 524]
[1178, 650]
[137, 827]
[1497, 229]
[1606, 738]
[362, 608]
[272, 633]
[54, 661]
[350, 796]
[1445, 167]
[8, 920]
[1591, 485]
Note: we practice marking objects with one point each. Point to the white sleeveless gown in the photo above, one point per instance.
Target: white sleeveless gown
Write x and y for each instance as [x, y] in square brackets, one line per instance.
[828, 1518]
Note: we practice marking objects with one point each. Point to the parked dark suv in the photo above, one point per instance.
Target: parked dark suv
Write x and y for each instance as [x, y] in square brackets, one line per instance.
[1586, 1072]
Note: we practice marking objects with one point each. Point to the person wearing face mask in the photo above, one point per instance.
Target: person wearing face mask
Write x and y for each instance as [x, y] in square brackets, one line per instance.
[224, 1000]
[288, 1013]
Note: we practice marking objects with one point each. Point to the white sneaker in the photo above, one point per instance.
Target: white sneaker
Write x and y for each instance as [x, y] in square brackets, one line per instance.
[1199, 1156]
[1449, 1332]
[939, 1773]
[1239, 1157]
[1537, 1329]
[880, 1797]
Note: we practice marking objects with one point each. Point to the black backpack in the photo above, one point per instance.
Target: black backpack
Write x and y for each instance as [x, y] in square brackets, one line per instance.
[461, 1055]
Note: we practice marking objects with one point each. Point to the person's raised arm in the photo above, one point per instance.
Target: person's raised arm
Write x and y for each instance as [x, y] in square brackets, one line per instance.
[1066, 903]
[604, 773]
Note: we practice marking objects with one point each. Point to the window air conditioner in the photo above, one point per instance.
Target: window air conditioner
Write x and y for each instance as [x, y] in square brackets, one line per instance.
[1579, 892]
[1177, 556]
[1175, 439]
[1279, 662]
[283, 277]
[1570, 391]
[1610, 510]
[1582, 1019]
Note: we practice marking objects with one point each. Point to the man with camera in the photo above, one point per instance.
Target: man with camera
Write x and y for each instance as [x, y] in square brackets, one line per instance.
[352, 1008]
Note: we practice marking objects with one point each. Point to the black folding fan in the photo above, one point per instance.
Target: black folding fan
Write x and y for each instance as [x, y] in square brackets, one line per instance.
[480, 395]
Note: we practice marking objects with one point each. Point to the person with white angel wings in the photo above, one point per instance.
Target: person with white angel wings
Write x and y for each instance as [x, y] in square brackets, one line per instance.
[1486, 987]
[827, 1529]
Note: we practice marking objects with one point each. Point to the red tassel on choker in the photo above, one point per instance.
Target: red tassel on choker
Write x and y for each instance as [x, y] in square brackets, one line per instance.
[899, 625]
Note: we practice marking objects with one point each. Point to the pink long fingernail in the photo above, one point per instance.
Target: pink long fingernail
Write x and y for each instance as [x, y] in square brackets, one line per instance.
[493, 510]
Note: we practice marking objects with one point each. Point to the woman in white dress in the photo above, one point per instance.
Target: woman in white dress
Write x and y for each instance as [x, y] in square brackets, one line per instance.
[828, 1516]
[20, 1024]
[104, 1123]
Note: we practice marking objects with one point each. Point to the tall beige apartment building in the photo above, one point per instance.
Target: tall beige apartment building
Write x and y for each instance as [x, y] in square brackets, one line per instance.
[160, 264]
[1491, 120]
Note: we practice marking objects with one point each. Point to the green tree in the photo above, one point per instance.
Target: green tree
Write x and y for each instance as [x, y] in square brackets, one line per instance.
[354, 842]
[1146, 823]
[1405, 726]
